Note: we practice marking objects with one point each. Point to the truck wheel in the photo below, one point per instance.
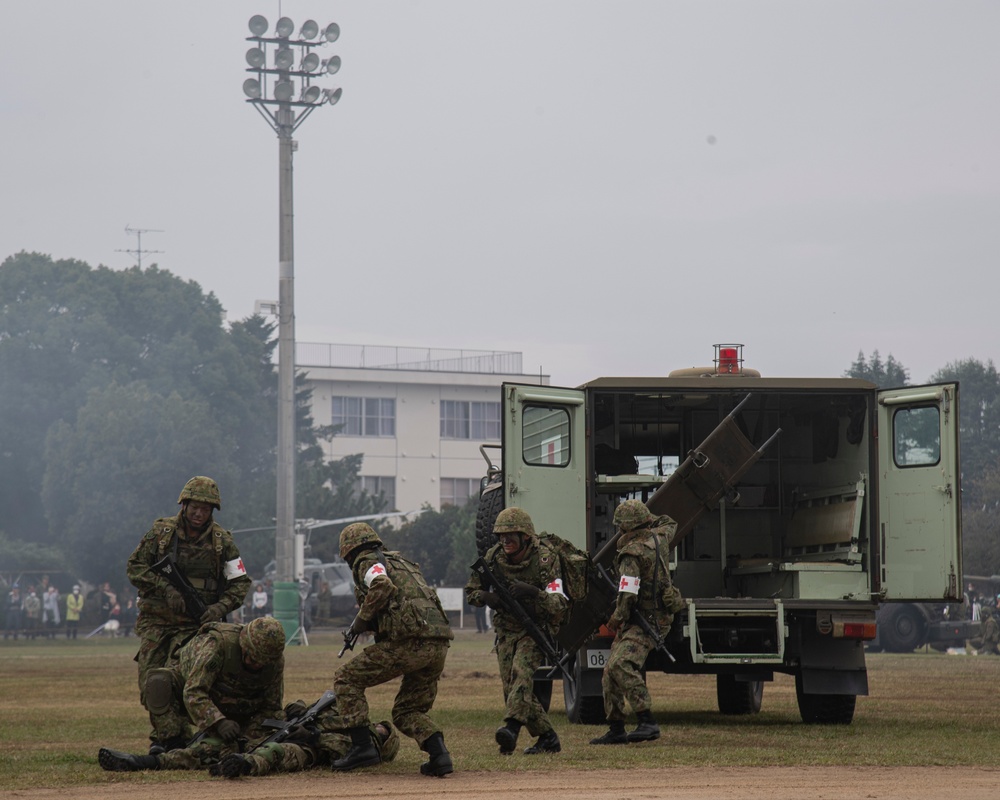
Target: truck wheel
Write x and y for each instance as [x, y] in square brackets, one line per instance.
[824, 709]
[738, 697]
[490, 504]
[902, 630]
[543, 691]
[583, 708]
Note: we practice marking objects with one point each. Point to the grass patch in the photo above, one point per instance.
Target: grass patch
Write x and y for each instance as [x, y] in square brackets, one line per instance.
[60, 702]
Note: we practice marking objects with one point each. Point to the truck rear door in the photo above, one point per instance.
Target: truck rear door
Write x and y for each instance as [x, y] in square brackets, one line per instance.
[545, 457]
[919, 524]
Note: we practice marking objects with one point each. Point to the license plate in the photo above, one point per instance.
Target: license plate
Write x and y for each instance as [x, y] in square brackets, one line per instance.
[596, 659]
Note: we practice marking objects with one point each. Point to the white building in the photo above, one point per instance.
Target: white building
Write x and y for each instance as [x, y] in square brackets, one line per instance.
[419, 415]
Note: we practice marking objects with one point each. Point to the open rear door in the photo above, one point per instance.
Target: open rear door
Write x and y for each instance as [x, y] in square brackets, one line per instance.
[545, 458]
[919, 525]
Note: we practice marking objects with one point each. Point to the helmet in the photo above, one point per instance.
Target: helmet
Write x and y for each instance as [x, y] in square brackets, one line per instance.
[389, 746]
[263, 640]
[633, 514]
[202, 489]
[357, 535]
[514, 520]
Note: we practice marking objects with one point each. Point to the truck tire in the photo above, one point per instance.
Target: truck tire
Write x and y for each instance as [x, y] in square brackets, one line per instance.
[490, 504]
[582, 708]
[824, 709]
[738, 697]
[903, 629]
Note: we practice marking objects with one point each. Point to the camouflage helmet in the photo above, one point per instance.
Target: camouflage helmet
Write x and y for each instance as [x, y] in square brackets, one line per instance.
[357, 535]
[390, 745]
[514, 520]
[263, 640]
[633, 514]
[202, 489]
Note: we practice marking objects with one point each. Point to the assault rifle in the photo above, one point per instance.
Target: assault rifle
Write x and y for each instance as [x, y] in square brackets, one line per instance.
[647, 627]
[351, 637]
[516, 610]
[167, 568]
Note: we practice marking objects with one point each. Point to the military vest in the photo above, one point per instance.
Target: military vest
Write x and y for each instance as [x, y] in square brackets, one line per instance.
[237, 691]
[200, 560]
[415, 611]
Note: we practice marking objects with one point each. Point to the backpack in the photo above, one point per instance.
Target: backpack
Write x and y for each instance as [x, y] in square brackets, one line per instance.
[576, 567]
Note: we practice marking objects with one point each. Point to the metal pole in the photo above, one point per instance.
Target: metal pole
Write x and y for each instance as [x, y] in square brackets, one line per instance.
[285, 523]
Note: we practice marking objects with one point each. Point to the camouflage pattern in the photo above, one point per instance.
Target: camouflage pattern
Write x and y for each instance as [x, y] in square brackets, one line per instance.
[212, 683]
[988, 641]
[263, 640]
[411, 640]
[202, 558]
[518, 655]
[633, 514]
[202, 489]
[293, 757]
[514, 520]
[655, 598]
[357, 535]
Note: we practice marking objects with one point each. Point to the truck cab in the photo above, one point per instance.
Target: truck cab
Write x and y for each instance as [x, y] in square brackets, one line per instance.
[801, 503]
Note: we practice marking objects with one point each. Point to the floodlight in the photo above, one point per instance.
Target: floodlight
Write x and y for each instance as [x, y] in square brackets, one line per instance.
[309, 62]
[255, 57]
[309, 29]
[283, 91]
[283, 58]
[283, 28]
[251, 88]
[258, 25]
[332, 65]
[331, 97]
[310, 95]
[331, 32]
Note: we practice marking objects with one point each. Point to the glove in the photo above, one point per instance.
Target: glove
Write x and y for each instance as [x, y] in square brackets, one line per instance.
[214, 613]
[303, 735]
[234, 765]
[523, 591]
[175, 600]
[359, 626]
[227, 730]
[491, 599]
[296, 709]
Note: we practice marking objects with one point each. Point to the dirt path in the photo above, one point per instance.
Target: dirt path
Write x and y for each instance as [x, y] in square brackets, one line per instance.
[763, 783]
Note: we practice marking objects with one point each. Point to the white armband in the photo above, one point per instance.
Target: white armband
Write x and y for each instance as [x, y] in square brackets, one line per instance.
[629, 584]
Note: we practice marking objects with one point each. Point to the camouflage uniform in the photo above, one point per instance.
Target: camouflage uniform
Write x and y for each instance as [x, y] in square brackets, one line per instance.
[211, 562]
[988, 641]
[412, 636]
[644, 588]
[518, 655]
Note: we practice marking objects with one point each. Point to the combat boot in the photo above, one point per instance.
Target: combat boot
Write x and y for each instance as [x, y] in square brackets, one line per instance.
[117, 761]
[173, 743]
[439, 764]
[647, 730]
[506, 736]
[363, 753]
[547, 743]
[615, 735]
[235, 765]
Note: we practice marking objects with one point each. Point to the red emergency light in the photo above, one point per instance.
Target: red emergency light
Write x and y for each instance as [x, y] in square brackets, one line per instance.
[728, 358]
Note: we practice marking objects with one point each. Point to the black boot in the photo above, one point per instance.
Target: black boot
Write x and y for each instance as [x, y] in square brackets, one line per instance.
[615, 734]
[439, 764]
[117, 761]
[547, 743]
[235, 765]
[163, 745]
[507, 736]
[362, 754]
[647, 730]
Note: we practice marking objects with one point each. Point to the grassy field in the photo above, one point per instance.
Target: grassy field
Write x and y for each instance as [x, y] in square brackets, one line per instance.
[60, 702]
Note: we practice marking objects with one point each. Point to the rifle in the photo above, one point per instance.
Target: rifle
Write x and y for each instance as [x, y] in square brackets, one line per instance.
[351, 637]
[647, 628]
[193, 603]
[515, 609]
[285, 728]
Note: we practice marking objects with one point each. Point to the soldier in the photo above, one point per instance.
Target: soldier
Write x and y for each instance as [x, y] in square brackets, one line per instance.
[412, 636]
[644, 588]
[227, 681]
[533, 574]
[207, 555]
[989, 633]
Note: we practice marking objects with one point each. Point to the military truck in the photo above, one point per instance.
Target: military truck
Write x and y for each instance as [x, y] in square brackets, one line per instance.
[801, 503]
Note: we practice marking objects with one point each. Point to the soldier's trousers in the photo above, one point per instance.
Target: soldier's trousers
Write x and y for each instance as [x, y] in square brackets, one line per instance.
[419, 661]
[622, 679]
[519, 656]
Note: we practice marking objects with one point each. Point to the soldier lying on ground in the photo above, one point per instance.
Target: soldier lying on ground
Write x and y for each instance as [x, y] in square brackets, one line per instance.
[227, 682]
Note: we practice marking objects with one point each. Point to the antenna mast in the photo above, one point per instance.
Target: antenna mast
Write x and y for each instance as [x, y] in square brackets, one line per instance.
[138, 247]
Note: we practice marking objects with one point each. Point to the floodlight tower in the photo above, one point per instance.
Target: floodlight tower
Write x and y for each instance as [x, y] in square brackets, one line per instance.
[284, 110]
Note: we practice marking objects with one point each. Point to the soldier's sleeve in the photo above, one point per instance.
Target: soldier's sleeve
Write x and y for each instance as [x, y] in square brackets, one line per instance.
[201, 664]
[628, 588]
[474, 588]
[234, 573]
[553, 602]
[137, 569]
[379, 589]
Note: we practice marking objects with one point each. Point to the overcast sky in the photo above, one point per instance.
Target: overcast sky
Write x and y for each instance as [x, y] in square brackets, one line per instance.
[608, 187]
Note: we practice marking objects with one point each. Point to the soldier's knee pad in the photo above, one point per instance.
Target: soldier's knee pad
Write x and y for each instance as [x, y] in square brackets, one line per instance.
[159, 691]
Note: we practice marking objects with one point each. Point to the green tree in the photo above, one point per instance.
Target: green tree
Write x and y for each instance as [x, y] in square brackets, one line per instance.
[442, 542]
[885, 374]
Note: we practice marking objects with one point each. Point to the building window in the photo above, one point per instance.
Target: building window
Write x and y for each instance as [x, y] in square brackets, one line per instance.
[365, 416]
[462, 419]
[457, 491]
[378, 484]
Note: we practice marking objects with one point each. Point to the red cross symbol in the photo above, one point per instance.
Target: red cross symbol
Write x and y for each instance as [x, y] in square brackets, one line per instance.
[378, 569]
[240, 567]
[553, 587]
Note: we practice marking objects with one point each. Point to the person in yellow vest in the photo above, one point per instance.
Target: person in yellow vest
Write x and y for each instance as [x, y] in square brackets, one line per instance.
[74, 605]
